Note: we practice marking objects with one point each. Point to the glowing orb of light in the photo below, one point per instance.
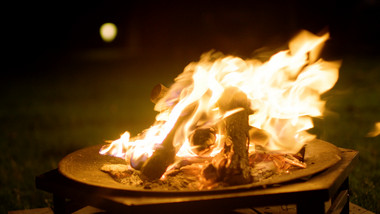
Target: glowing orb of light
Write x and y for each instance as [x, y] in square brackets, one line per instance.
[108, 32]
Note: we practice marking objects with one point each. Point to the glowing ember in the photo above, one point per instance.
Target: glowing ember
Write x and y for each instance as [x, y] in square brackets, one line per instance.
[375, 131]
[283, 95]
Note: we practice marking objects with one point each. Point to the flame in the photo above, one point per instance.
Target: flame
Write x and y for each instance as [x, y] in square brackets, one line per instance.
[284, 94]
[375, 131]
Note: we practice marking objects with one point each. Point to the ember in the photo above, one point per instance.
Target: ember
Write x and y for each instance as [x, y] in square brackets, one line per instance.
[228, 121]
[375, 131]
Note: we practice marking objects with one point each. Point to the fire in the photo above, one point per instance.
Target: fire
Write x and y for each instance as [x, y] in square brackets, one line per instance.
[375, 131]
[283, 94]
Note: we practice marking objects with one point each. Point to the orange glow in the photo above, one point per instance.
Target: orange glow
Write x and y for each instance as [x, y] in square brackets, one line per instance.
[284, 94]
[375, 131]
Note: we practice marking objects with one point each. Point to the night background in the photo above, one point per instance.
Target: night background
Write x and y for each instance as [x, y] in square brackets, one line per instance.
[63, 88]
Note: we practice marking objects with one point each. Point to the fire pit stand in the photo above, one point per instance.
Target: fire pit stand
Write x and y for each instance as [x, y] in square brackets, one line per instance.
[325, 192]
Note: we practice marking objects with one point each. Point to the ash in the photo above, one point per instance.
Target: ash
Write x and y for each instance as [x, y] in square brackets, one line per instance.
[186, 178]
[176, 180]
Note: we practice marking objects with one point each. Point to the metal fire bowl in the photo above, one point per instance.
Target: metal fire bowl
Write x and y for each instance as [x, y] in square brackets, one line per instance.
[84, 165]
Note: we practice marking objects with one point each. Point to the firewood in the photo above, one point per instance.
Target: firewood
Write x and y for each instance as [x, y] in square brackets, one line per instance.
[210, 173]
[158, 92]
[202, 139]
[164, 155]
[235, 169]
[301, 154]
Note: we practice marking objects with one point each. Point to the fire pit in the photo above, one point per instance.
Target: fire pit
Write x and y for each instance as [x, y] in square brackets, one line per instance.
[228, 119]
[228, 129]
[83, 166]
[326, 190]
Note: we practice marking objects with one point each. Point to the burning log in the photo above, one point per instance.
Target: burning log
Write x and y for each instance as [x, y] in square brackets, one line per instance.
[158, 92]
[164, 155]
[202, 139]
[234, 168]
[301, 154]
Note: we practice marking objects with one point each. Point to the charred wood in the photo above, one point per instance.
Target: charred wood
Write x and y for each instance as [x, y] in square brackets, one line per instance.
[301, 154]
[210, 173]
[158, 92]
[202, 139]
[164, 155]
[234, 167]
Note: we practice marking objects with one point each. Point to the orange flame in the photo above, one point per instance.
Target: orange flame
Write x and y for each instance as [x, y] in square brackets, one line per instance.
[375, 131]
[284, 94]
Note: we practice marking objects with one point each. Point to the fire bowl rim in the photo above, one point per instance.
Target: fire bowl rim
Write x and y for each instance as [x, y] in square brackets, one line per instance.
[83, 166]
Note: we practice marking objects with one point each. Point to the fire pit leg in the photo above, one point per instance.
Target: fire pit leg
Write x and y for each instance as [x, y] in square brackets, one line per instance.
[316, 206]
[62, 205]
[59, 204]
[346, 208]
[340, 200]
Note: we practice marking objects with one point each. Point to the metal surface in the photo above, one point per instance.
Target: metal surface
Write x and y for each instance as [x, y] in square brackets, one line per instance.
[84, 166]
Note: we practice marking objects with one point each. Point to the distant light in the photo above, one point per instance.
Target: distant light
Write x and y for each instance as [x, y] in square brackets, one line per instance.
[108, 32]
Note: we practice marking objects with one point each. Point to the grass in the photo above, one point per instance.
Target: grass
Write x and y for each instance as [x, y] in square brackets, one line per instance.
[353, 106]
[72, 104]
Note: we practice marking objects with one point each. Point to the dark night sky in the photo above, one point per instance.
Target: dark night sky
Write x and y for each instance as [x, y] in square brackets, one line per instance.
[36, 31]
